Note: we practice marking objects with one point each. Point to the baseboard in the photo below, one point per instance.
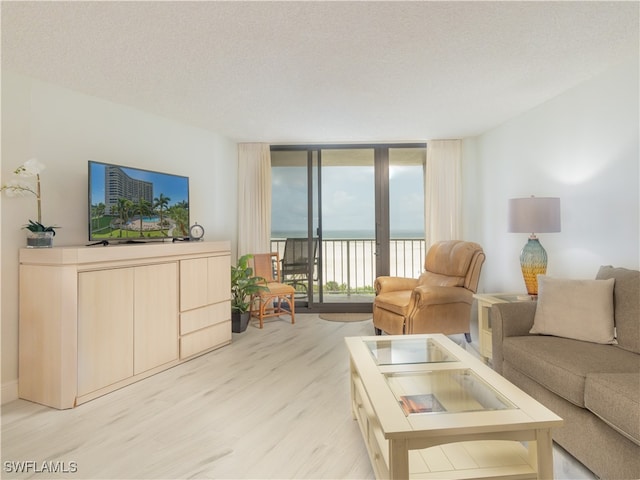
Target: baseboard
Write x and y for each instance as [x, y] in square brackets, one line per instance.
[9, 391]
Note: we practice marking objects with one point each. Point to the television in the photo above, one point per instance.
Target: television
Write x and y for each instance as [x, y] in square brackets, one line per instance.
[131, 205]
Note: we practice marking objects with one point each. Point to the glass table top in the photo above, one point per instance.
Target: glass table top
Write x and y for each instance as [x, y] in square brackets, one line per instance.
[408, 351]
[444, 391]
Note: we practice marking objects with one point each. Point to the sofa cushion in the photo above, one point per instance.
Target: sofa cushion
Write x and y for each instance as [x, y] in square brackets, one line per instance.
[578, 309]
[626, 298]
[615, 398]
[561, 364]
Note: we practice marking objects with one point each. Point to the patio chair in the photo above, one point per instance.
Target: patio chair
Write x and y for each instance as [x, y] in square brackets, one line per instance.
[271, 302]
[298, 265]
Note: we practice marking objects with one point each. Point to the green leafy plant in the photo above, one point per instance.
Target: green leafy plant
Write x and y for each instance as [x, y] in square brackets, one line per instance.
[244, 284]
[38, 227]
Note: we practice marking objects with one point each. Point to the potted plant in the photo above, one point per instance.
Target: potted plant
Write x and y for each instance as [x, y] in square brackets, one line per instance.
[38, 234]
[243, 285]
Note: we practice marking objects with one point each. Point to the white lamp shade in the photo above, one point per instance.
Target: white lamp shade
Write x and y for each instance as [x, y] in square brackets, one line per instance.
[534, 215]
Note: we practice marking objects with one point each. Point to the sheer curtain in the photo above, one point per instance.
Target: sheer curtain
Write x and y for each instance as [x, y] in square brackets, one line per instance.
[443, 191]
[254, 198]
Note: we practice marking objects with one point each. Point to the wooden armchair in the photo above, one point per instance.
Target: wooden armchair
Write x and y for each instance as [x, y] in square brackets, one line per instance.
[437, 302]
[270, 302]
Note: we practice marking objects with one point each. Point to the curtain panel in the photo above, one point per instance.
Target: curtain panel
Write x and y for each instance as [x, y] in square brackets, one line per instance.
[443, 196]
[254, 198]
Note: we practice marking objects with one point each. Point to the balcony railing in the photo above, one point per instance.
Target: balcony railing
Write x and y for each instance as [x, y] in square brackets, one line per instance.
[348, 264]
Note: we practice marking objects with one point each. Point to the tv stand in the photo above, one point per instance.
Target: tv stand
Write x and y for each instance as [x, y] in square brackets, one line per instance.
[93, 320]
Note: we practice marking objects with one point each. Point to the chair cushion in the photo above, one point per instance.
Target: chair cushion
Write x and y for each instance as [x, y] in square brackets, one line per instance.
[561, 364]
[626, 298]
[278, 289]
[578, 309]
[431, 279]
[396, 301]
[614, 397]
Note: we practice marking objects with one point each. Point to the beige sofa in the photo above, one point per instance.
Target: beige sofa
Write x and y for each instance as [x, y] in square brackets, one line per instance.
[594, 387]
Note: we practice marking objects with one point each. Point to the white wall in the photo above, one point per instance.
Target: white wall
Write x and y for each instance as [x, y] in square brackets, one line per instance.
[581, 146]
[65, 129]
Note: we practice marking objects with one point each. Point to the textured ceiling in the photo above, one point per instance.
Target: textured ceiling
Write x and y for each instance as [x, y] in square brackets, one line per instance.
[321, 71]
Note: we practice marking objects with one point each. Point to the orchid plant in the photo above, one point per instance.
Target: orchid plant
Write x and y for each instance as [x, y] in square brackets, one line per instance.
[20, 187]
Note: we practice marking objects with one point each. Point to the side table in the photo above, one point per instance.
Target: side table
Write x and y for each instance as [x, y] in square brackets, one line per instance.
[485, 300]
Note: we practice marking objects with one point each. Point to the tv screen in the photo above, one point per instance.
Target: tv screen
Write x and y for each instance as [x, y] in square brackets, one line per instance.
[129, 204]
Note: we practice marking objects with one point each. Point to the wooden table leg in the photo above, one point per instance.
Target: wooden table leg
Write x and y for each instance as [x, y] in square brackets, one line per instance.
[398, 459]
[544, 450]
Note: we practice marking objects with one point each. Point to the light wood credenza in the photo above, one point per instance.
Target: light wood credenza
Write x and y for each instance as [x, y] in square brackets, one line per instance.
[95, 319]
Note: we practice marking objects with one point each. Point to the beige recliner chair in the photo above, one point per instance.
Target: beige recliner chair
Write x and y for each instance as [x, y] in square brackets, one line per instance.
[437, 302]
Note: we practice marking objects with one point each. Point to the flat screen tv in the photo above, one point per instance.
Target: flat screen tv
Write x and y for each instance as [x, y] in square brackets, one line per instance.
[129, 204]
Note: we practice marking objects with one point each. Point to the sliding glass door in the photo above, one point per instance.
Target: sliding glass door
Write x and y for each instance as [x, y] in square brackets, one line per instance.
[337, 204]
[406, 212]
[347, 221]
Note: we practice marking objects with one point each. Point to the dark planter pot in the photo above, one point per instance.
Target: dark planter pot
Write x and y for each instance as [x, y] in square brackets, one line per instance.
[239, 321]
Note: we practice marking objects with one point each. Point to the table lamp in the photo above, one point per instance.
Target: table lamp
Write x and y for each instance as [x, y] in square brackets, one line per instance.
[529, 215]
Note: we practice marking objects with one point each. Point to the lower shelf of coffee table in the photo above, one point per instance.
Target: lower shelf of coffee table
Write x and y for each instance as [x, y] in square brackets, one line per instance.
[477, 459]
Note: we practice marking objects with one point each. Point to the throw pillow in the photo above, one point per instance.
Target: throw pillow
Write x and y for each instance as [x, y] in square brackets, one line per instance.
[578, 309]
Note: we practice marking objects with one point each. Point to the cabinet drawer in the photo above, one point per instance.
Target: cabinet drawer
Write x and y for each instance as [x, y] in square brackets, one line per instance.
[204, 317]
[197, 342]
[377, 445]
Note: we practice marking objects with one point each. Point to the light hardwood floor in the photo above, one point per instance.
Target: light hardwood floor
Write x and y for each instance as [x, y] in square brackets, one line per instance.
[273, 404]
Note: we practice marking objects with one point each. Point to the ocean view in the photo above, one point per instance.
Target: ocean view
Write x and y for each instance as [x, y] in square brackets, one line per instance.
[347, 234]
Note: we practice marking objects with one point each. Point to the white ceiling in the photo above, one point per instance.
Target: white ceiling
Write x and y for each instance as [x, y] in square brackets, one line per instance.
[321, 71]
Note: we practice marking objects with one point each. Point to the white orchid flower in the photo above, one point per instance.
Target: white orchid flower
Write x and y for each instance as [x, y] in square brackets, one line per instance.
[30, 168]
[17, 188]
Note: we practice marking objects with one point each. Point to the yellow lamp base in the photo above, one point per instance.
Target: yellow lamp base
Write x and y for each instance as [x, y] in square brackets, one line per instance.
[533, 262]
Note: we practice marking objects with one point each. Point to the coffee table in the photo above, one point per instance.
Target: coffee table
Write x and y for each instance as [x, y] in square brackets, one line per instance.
[429, 409]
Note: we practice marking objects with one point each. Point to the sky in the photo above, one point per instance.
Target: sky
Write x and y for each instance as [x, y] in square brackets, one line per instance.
[347, 199]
